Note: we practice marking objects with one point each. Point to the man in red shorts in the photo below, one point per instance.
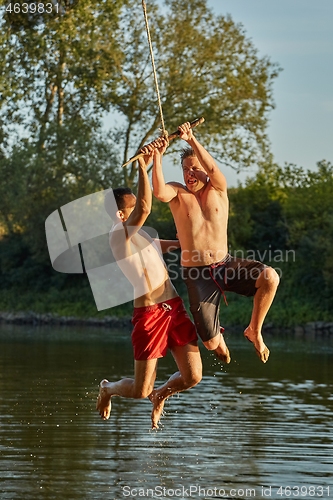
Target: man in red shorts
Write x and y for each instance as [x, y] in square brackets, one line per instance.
[160, 319]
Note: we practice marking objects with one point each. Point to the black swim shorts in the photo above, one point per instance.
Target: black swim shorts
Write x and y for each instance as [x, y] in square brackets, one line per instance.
[206, 284]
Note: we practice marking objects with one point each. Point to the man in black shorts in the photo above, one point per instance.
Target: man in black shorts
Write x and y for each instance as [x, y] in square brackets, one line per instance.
[206, 284]
[200, 211]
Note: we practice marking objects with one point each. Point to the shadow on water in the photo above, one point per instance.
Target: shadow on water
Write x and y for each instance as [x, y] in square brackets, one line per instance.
[247, 430]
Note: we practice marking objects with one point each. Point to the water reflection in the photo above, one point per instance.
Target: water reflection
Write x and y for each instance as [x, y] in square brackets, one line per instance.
[245, 426]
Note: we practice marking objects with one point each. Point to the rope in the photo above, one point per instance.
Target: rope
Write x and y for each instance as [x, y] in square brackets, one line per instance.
[164, 132]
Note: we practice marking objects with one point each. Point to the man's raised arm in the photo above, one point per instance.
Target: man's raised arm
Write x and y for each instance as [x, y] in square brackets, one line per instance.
[144, 197]
[215, 175]
[162, 191]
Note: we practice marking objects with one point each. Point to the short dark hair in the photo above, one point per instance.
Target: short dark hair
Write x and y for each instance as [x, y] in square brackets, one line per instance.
[187, 153]
[118, 194]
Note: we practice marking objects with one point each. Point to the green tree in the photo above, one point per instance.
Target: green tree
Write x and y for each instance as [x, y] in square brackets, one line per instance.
[32, 185]
[309, 218]
[62, 74]
[93, 58]
[60, 67]
[56, 72]
[289, 209]
[256, 212]
[206, 67]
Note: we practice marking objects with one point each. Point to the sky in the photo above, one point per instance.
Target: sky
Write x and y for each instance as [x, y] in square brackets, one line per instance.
[298, 35]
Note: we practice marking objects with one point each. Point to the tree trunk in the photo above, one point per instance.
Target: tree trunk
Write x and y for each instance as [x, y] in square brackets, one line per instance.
[45, 118]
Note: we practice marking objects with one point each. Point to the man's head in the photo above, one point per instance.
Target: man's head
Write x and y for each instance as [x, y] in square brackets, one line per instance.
[195, 176]
[125, 201]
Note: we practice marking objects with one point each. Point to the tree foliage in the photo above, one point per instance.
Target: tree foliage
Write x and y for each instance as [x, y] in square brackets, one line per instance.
[289, 210]
[68, 77]
[93, 58]
[61, 74]
[206, 67]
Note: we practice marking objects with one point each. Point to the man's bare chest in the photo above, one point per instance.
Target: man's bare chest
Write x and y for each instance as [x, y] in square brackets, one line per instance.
[208, 208]
[142, 245]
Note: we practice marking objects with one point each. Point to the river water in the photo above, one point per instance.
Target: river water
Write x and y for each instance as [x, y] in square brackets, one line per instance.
[247, 430]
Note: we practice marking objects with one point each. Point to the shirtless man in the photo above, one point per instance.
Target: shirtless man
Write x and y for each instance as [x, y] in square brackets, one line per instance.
[200, 211]
[160, 319]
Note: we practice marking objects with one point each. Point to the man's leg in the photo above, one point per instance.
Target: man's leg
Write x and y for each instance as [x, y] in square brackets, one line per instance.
[218, 345]
[139, 387]
[190, 373]
[266, 285]
[204, 297]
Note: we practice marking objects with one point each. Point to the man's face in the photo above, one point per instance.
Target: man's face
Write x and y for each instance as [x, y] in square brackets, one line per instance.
[129, 201]
[195, 176]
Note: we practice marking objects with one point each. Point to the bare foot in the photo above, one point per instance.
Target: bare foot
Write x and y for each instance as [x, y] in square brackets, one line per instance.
[103, 403]
[258, 342]
[222, 352]
[158, 405]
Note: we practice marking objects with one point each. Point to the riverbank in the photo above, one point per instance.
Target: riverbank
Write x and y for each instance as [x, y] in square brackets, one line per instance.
[32, 318]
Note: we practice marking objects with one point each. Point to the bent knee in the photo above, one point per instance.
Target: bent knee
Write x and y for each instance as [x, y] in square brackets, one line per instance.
[273, 276]
[196, 378]
[193, 378]
[269, 277]
[213, 343]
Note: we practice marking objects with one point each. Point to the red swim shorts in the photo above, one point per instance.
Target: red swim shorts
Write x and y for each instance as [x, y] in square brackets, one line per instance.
[161, 327]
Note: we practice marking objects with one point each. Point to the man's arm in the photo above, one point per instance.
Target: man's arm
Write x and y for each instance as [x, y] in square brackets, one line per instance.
[162, 191]
[144, 197]
[215, 175]
[122, 232]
